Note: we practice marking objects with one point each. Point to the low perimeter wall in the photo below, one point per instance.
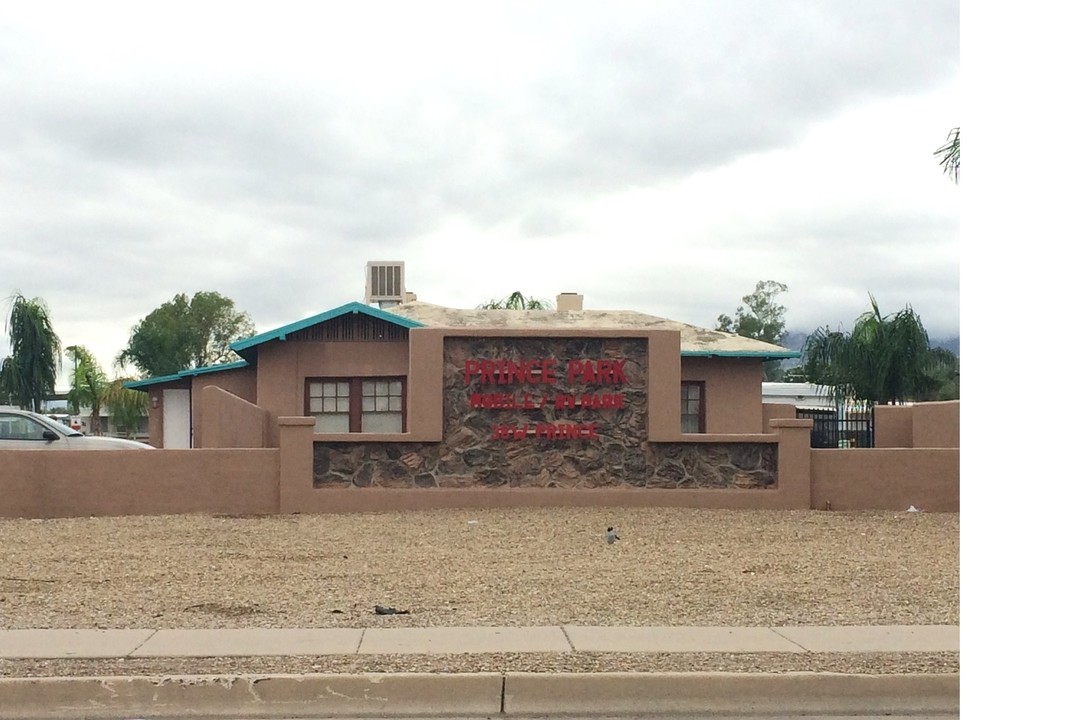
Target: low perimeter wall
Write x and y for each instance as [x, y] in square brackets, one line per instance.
[138, 482]
[885, 479]
[260, 481]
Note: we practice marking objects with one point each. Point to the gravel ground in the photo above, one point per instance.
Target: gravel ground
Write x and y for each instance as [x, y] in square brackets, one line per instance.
[486, 567]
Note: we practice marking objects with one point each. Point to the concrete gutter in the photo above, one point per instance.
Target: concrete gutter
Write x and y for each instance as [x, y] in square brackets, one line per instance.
[476, 694]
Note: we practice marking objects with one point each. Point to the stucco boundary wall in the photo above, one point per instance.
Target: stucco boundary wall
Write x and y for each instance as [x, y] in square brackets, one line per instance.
[886, 479]
[80, 483]
[925, 425]
[260, 481]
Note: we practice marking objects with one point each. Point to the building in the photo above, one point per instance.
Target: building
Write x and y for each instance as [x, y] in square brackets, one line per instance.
[394, 404]
[404, 393]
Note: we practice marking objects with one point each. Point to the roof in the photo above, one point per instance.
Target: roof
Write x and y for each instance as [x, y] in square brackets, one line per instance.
[247, 348]
[694, 341]
[183, 374]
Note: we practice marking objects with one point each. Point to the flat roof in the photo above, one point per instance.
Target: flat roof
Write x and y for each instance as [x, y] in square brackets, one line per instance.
[694, 341]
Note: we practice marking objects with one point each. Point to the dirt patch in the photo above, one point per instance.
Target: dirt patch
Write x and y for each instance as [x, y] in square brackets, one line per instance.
[483, 567]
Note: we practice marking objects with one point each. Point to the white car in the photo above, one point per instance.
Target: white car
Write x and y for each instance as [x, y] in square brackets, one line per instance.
[22, 430]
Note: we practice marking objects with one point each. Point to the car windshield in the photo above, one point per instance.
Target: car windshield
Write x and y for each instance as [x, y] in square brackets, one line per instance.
[56, 426]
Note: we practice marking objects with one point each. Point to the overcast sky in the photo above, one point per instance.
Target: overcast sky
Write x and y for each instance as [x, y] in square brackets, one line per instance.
[654, 156]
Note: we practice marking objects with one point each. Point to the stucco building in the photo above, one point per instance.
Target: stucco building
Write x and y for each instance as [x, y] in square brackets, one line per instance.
[412, 394]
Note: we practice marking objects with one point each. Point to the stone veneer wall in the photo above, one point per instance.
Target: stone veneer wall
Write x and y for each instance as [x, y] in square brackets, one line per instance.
[516, 447]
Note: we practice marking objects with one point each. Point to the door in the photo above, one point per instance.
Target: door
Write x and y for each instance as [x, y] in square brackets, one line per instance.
[177, 428]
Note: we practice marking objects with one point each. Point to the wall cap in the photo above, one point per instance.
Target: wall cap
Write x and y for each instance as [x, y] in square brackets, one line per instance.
[791, 423]
[297, 421]
[698, 438]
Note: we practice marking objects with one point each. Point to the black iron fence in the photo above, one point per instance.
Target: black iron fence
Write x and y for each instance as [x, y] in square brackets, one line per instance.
[855, 430]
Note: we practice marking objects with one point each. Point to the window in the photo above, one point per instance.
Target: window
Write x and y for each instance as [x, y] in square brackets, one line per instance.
[16, 427]
[381, 403]
[692, 407]
[328, 402]
[378, 405]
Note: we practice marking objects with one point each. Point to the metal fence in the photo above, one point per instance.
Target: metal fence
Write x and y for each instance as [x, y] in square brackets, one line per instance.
[830, 431]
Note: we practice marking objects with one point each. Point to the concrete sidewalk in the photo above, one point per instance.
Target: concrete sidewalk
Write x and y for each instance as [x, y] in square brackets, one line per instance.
[100, 644]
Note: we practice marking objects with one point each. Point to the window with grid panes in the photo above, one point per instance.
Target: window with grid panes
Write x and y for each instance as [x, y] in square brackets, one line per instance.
[378, 405]
[382, 405]
[692, 407]
[328, 402]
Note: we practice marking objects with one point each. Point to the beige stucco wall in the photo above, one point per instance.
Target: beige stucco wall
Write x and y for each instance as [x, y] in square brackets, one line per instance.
[228, 421]
[733, 392]
[240, 383]
[256, 481]
[936, 425]
[923, 425]
[45, 484]
[893, 426]
[886, 479]
[776, 411]
[283, 368]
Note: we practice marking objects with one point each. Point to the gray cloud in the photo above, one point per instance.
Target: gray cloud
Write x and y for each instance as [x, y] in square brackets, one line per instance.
[175, 174]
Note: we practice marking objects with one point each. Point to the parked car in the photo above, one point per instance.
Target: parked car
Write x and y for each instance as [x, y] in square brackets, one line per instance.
[22, 430]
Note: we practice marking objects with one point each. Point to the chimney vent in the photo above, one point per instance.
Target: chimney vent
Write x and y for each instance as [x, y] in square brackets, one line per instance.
[384, 283]
[569, 302]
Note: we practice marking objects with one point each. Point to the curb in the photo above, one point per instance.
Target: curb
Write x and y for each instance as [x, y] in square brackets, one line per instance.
[250, 696]
[734, 693]
[474, 694]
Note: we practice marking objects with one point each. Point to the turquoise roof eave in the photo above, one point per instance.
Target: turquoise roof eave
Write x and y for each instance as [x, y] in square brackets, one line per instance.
[183, 374]
[784, 355]
[247, 347]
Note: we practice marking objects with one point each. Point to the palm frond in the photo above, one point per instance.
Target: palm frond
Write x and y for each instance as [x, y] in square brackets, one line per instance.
[948, 155]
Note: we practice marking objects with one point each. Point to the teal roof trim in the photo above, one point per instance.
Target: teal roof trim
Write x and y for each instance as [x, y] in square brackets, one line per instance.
[244, 346]
[183, 374]
[742, 354]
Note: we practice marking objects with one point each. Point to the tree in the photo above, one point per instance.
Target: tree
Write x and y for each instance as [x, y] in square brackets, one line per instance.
[186, 333]
[516, 301]
[886, 359]
[941, 377]
[948, 154]
[88, 385]
[125, 407]
[760, 317]
[763, 317]
[28, 375]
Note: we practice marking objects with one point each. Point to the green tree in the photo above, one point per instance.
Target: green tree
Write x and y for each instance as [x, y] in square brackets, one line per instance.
[941, 376]
[186, 333]
[886, 359]
[88, 385]
[760, 317]
[516, 301]
[948, 155]
[28, 375]
[125, 407]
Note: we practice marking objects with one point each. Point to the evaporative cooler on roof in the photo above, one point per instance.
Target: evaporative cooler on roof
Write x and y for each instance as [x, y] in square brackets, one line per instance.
[385, 283]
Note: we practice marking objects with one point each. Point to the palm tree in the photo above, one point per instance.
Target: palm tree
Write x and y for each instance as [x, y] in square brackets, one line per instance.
[516, 301]
[948, 153]
[126, 407]
[886, 359]
[29, 374]
[88, 385]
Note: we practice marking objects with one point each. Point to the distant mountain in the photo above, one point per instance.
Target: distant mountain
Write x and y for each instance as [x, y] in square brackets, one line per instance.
[951, 344]
[794, 340]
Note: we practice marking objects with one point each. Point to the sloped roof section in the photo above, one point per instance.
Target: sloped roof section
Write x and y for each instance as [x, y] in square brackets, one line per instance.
[694, 341]
[247, 348]
[182, 374]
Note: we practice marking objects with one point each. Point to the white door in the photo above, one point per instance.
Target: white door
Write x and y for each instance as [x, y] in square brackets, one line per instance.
[176, 419]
